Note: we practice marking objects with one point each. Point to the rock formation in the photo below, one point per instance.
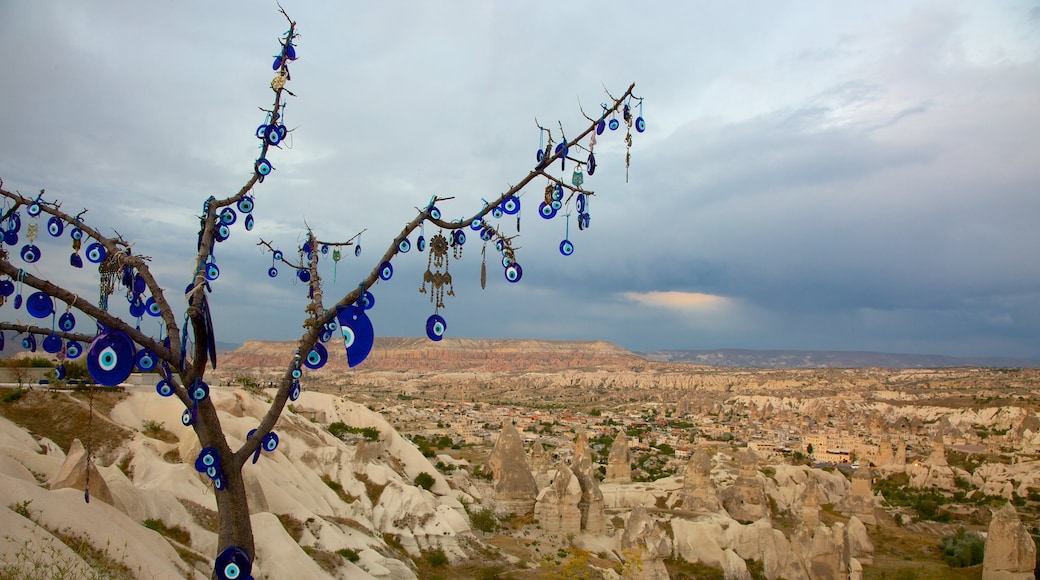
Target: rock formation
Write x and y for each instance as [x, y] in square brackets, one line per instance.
[515, 487]
[698, 492]
[811, 500]
[823, 551]
[646, 539]
[1010, 551]
[619, 462]
[73, 474]
[541, 466]
[860, 501]
[885, 455]
[745, 500]
[557, 507]
[593, 519]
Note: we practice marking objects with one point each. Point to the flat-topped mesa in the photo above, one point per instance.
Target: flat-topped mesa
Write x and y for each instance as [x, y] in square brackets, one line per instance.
[698, 492]
[593, 519]
[515, 487]
[619, 461]
[1010, 550]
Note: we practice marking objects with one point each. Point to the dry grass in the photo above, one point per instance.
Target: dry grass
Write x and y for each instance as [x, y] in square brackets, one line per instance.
[63, 417]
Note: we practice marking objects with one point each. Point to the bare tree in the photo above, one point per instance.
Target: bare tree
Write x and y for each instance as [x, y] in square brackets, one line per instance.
[182, 355]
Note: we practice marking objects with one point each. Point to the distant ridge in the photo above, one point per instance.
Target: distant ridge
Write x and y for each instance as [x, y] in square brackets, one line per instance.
[809, 359]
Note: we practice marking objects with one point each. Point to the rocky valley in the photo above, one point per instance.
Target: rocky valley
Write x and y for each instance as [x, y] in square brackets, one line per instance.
[541, 459]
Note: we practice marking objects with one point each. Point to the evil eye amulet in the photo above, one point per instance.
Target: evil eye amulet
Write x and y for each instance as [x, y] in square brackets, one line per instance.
[404, 245]
[435, 327]
[514, 272]
[421, 244]
[95, 253]
[163, 388]
[233, 563]
[386, 271]
[52, 343]
[272, 272]
[640, 124]
[73, 349]
[228, 216]
[199, 391]
[39, 305]
[614, 124]
[367, 300]
[511, 205]
[566, 248]
[55, 227]
[111, 357]
[317, 357]
[30, 253]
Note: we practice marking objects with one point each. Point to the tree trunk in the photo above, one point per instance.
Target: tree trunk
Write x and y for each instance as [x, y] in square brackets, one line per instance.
[236, 529]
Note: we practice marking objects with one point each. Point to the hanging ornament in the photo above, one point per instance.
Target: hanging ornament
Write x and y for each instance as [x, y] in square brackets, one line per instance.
[577, 178]
[483, 266]
[566, 247]
[336, 256]
[435, 327]
[358, 335]
[437, 275]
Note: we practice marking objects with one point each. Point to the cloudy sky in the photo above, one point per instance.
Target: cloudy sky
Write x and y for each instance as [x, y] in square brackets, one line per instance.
[815, 175]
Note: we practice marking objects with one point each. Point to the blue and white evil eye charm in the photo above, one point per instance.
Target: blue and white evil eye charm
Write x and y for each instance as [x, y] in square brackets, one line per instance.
[386, 271]
[164, 388]
[640, 124]
[614, 124]
[95, 253]
[39, 305]
[421, 243]
[188, 416]
[30, 253]
[146, 360]
[511, 205]
[435, 327]
[212, 271]
[228, 216]
[67, 322]
[404, 245]
[198, 391]
[367, 301]
[514, 272]
[295, 391]
[358, 334]
[270, 442]
[272, 272]
[434, 212]
[263, 168]
[245, 205]
[73, 349]
[55, 226]
[208, 459]
[566, 248]
[317, 357]
[111, 357]
[233, 563]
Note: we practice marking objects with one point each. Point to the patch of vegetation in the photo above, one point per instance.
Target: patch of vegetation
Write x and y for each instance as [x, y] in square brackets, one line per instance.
[157, 430]
[963, 549]
[680, 569]
[339, 429]
[14, 395]
[327, 560]
[175, 533]
[336, 487]
[349, 554]
[436, 558]
[206, 518]
[372, 489]
[483, 520]
[293, 526]
[424, 480]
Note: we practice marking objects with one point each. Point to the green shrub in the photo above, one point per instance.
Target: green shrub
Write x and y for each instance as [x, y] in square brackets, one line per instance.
[484, 520]
[425, 480]
[436, 558]
[349, 554]
[963, 549]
